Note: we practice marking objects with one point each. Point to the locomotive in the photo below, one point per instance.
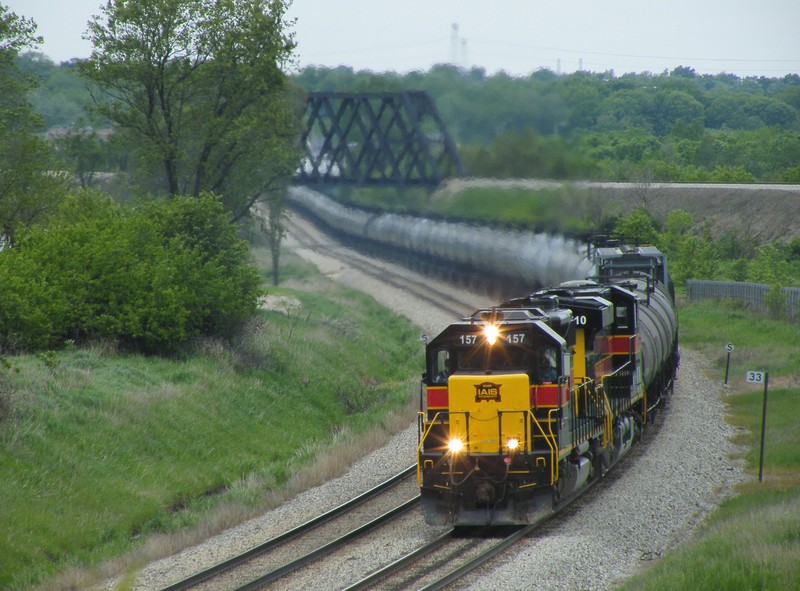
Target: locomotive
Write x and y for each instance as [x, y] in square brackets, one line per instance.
[525, 404]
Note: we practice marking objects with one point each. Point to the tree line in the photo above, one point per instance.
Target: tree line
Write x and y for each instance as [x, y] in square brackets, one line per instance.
[671, 126]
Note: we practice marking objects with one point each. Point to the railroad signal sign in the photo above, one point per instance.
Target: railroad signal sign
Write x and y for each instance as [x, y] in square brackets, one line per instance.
[729, 349]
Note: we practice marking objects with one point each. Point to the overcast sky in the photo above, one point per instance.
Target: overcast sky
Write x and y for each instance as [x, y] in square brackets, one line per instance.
[742, 37]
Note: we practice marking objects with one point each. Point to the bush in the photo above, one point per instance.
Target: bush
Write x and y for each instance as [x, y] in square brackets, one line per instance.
[29, 309]
[149, 278]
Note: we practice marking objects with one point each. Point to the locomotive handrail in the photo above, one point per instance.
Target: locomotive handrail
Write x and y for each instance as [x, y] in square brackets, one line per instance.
[596, 391]
[609, 422]
[631, 341]
[553, 447]
[422, 440]
[549, 438]
[602, 401]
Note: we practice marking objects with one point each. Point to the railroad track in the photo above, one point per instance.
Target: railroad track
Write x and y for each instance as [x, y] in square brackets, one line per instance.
[429, 564]
[441, 561]
[437, 562]
[210, 578]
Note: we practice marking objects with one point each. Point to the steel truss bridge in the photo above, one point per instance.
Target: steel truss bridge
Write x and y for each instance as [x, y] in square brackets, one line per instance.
[375, 139]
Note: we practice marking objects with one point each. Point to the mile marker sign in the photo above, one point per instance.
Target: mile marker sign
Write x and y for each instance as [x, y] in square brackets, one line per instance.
[760, 377]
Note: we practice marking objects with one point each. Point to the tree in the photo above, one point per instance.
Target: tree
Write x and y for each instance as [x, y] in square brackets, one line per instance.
[637, 225]
[27, 190]
[83, 151]
[678, 228]
[60, 93]
[673, 107]
[198, 86]
[770, 266]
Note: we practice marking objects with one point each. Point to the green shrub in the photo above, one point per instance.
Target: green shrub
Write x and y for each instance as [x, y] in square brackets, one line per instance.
[149, 278]
[29, 311]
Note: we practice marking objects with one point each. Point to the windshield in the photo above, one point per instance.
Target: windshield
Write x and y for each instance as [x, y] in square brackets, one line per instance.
[520, 351]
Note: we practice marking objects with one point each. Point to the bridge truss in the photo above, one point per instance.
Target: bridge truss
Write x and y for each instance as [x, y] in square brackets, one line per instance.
[375, 139]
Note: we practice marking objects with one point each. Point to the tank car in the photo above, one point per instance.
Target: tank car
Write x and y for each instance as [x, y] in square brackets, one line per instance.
[514, 257]
[525, 404]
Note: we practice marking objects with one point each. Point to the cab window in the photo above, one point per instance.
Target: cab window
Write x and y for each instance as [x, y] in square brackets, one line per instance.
[441, 367]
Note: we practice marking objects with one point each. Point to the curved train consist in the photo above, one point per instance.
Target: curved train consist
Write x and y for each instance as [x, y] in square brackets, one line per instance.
[525, 404]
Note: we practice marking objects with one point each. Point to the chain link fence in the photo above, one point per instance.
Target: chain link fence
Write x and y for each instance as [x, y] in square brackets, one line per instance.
[757, 296]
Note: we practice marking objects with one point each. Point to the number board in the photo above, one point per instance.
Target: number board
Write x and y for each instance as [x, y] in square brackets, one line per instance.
[474, 339]
[516, 338]
[754, 377]
[467, 340]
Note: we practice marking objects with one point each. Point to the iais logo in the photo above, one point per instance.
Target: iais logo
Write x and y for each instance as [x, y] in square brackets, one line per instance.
[487, 391]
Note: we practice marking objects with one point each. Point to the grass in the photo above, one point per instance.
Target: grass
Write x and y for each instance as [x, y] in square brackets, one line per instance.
[760, 343]
[102, 451]
[752, 541]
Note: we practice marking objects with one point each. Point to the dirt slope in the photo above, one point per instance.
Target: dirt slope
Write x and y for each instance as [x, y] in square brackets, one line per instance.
[764, 212]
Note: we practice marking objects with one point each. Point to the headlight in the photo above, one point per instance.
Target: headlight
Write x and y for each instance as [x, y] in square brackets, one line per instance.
[512, 444]
[455, 445]
[491, 331]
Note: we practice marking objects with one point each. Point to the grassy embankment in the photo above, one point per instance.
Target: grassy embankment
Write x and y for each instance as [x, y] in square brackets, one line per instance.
[105, 453]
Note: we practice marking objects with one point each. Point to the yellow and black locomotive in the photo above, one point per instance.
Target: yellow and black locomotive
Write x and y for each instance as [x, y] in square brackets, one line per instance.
[525, 404]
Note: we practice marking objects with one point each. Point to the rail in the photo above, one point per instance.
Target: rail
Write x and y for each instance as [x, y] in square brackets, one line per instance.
[263, 580]
[291, 534]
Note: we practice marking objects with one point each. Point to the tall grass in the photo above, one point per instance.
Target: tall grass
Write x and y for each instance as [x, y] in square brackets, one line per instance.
[102, 450]
[752, 541]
